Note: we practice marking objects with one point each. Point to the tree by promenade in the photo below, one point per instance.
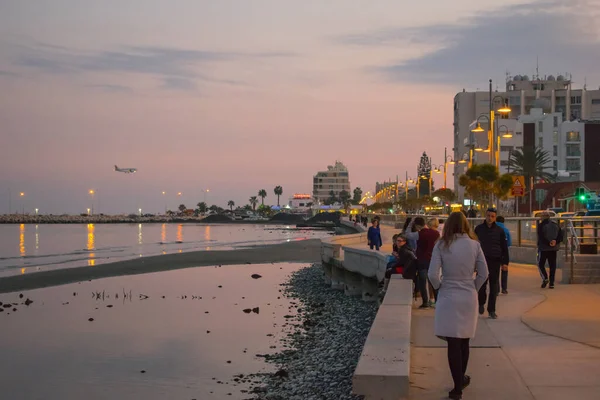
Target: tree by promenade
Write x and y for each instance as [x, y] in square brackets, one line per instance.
[278, 192]
[253, 202]
[202, 207]
[231, 204]
[262, 193]
[482, 180]
[533, 163]
[357, 195]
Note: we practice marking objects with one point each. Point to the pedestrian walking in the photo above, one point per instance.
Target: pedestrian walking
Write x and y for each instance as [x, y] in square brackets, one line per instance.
[549, 237]
[472, 213]
[493, 243]
[455, 258]
[504, 268]
[425, 236]
[374, 235]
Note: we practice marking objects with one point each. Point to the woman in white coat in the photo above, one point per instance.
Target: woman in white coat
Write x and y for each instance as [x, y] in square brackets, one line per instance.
[456, 258]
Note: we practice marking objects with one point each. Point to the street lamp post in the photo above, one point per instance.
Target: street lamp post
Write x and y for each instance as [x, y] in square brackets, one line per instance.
[205, 191]
[493, 126]
[22, 196]
[165, 201]
[447, 160]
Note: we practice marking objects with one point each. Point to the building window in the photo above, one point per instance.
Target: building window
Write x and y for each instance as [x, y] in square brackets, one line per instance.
[555, 165]
[555, 121]
[575, 99]
[555, 151]
[573, 136]
[506, 148]
[573, 164]
[555, 137]
[596, 101]
[540, 126]
[540, 142]
[573, 150]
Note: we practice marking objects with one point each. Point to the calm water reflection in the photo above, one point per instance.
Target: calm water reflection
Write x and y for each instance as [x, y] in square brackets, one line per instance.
[50, 350]
[41, 247]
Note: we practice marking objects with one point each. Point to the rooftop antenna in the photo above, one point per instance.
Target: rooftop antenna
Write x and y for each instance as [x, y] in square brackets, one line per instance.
[537, 67]
[585, 83]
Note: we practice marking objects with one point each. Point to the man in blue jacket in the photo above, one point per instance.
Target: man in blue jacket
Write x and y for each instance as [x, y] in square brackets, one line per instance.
[504, 274]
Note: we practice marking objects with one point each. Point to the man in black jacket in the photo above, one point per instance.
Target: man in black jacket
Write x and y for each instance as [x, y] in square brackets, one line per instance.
[548, 243]
[495, 250]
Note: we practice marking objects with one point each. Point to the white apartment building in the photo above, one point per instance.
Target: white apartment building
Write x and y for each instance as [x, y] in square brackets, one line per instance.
[553, 95]
[571, 154]
[335, 179]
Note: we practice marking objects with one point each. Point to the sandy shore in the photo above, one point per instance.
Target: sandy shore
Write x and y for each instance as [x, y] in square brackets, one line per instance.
[299, 251]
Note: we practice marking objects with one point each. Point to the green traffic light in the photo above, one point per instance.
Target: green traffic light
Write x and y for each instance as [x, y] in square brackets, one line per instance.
[582, 197]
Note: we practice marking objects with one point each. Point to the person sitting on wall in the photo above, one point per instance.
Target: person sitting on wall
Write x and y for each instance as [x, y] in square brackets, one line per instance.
[404, 262]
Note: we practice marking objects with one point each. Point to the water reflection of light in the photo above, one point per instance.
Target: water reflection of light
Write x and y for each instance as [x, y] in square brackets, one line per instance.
[22, 240]
[37, 238]
[180, 233]
[163, 233]
[207, 235]
[91, 243]
[140, 241]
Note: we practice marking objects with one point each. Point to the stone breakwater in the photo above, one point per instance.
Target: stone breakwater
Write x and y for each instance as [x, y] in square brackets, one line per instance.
[117, 219]
[323, 344]
[93, 219]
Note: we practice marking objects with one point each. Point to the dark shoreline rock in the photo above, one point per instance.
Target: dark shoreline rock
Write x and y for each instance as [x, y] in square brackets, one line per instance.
[324, 342]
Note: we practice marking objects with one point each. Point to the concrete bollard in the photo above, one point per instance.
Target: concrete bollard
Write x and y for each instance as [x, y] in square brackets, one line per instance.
[370, 289]
[352, 283]
[337, 278]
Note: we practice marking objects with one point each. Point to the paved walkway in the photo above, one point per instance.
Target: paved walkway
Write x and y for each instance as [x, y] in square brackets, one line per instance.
[545, 345]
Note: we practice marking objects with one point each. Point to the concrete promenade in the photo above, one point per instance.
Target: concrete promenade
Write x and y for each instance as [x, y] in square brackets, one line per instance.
[545, 344]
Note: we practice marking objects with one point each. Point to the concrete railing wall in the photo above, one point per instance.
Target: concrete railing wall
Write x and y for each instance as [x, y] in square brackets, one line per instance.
[383, 370]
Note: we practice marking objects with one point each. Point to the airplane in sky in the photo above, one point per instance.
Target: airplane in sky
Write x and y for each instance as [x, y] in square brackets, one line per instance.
[126, 170]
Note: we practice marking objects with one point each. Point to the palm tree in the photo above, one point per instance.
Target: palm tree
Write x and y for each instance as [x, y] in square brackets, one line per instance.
[531, 163]
[182, 207]
[231, 203]
[262, 193]
[278, 192]
[253, 202]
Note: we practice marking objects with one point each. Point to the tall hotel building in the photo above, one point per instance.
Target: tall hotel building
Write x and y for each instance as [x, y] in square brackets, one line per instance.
[334, 179]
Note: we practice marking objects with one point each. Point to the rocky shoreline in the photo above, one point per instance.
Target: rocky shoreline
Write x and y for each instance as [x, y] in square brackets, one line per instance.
[323, 343]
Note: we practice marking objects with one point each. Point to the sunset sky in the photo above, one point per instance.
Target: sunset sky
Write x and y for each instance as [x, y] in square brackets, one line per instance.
[238, 96]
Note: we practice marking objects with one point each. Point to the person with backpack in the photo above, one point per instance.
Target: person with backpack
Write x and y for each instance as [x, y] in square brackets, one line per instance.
[504, 268]
[549, 237]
